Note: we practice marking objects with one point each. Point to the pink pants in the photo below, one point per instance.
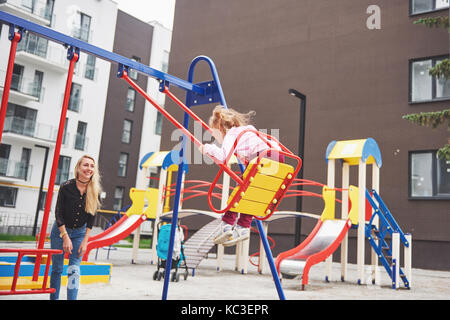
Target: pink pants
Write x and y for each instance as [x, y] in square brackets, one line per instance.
[245, 220]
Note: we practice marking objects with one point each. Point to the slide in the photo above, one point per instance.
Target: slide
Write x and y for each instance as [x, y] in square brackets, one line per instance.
[319, 245]
[118, 231]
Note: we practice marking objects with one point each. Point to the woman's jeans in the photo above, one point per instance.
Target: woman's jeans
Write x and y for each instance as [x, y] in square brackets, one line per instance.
[76, 235]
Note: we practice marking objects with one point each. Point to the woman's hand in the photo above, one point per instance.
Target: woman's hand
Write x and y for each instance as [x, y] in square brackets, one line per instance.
[83, 247]
[67, 244]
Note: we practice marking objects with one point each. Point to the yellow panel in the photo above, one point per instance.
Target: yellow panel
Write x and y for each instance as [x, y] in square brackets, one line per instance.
[22, 283]
[258, 194]
[329, 197]
[251, 207]
[152, 200]
[266, 182]
[353, 194]
[137, 197]
[271, 168]
[350, 150]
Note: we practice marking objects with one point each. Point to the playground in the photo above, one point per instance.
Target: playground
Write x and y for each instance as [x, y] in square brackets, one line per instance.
[134, 282]
[306, 271]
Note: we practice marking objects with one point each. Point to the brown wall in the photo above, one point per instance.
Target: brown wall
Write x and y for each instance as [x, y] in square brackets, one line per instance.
[356, 82]
[132, 38]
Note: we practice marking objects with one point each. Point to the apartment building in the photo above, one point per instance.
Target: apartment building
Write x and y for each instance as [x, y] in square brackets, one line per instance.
[132, 127]
[36, 98]
[360, 76]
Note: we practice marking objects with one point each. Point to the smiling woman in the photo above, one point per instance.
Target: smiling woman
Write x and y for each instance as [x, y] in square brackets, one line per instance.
[78, 201]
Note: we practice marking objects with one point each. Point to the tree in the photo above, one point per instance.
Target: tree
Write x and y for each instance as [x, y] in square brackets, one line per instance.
[440, 70]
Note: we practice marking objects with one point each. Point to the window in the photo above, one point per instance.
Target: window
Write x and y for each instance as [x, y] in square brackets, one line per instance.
[75, 97]
[42, 199]
[158, 124]
[8, 197]
[421, 6]
[165, 62]
[65, 134]
[424, 87]
[126, 132]
[5, 150]
[123, 162]
[82, 27]
[80, 138]
[131, 98]
[133, 74]
[16, 80]
[36, 88]
[429, 176]
[22, 167]
[118, 198]
[89, 71]
[62, 174]
[20, 120]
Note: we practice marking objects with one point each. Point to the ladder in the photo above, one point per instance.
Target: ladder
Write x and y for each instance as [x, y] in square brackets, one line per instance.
[388, 251]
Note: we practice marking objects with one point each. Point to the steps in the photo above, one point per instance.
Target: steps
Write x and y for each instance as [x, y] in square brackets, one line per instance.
[386, 239]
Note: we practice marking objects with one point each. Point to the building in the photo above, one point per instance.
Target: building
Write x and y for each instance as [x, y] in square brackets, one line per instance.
[359, 79]
[131, 127]
[36, 99]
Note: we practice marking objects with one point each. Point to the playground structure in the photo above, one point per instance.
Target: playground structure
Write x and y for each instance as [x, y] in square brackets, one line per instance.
[264, 183]
[368, 214]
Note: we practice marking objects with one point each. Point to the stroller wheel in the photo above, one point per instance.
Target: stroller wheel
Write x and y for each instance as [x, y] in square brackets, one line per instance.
[185, 274]
[155, 275]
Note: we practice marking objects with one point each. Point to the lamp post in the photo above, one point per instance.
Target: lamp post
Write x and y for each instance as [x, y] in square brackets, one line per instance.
[301, 154]
[36, 215]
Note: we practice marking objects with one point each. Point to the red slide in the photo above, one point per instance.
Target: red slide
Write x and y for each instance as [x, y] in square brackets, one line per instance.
[118, 231]
[319, 245]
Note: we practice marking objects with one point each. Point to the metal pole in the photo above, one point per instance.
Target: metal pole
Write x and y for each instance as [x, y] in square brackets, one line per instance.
[301, 151]
[15, 38]
[36, 215]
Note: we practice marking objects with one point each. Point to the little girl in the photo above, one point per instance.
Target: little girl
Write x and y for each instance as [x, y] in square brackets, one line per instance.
[226, 125]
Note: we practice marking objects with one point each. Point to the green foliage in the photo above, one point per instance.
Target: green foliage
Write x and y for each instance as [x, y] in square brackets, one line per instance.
[441, 70]
[444, 152]
[430, 119]
[434, 22]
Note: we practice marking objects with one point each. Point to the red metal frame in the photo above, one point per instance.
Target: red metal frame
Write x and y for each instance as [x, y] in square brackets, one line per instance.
[39, 253]
[9, 72]
[51, 184]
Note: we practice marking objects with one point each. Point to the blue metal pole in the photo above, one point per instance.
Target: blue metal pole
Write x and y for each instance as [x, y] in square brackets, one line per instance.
[273, 269]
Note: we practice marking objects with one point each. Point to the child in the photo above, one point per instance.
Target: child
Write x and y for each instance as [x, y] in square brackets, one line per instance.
[226, 125]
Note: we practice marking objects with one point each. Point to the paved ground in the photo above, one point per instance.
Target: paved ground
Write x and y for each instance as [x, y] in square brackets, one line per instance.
[135, 282]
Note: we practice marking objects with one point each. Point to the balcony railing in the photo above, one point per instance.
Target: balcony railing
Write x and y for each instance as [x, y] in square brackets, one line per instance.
[15, 169]
[39, 8]
[30, 128]
[23, 85]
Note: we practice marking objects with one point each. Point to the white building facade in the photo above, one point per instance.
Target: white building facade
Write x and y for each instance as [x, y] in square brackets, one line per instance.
[36, 98]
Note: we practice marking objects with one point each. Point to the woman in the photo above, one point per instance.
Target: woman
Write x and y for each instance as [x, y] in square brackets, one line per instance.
[78, 201]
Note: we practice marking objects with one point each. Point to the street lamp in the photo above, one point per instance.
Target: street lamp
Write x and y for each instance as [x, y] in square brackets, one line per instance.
[301, 154]
[36, 215]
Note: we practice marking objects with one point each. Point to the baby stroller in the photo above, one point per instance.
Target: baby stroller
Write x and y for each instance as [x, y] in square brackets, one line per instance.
[162, 249]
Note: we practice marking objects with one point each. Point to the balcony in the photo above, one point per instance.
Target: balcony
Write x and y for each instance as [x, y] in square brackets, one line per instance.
[37, 11]
[22, 89]
[15, 169]
[42, 53]
[30, 129]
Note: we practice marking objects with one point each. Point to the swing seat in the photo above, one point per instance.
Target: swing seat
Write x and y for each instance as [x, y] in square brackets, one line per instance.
[265, 184]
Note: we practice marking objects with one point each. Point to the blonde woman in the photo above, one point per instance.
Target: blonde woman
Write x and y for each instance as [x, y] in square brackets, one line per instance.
[227, 125]
[78, 201]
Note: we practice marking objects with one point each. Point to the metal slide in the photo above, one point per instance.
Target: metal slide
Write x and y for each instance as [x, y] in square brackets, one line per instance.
[319, 245]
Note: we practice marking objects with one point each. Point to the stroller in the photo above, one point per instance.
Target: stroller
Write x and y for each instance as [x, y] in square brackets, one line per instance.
[162, 249]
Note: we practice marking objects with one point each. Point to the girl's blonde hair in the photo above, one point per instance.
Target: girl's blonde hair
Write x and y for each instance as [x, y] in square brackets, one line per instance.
[225, 119]
[94, 187]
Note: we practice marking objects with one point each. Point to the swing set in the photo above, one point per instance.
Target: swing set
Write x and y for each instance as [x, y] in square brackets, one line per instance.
[259, 191]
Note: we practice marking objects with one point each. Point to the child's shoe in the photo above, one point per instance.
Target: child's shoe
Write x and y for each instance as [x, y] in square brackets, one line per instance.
[239, 234]
[225, 233]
